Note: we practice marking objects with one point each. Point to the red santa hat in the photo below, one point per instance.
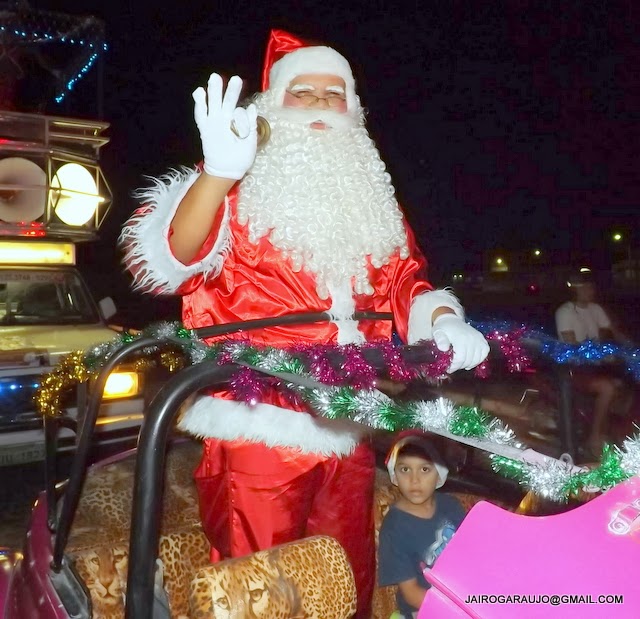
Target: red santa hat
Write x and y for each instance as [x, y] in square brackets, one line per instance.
[287, 57]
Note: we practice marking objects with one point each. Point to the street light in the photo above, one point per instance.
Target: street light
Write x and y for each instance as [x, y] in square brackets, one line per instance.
[618, 237]
[499, 265]
[536, 253]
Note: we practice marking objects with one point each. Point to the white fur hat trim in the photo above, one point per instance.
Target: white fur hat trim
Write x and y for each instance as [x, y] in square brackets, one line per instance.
[312, 61]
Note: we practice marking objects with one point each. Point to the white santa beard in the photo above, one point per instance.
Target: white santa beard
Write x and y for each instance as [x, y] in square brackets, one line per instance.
[325, 201]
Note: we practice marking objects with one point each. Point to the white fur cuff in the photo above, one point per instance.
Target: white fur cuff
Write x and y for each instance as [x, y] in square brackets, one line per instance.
[145, 237]
[422, 308]
[211, 417]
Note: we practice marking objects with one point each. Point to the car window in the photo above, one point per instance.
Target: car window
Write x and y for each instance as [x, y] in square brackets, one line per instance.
[31, 297]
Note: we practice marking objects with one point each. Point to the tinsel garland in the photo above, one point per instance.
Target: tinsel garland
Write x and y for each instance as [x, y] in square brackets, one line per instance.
[585, 353]
[70, 371]
[348, 391]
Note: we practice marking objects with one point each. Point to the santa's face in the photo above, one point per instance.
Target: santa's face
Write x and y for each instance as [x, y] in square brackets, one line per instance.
[317, 93]
[317, 180]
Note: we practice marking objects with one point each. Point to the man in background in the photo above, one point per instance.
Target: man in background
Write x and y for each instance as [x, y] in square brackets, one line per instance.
[581, 319]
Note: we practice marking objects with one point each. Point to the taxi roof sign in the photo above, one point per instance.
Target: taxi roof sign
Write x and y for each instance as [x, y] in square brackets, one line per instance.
[37, 252]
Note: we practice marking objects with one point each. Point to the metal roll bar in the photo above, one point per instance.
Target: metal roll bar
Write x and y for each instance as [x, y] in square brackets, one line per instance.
[78, 471]
[149, 472]
[148, 486]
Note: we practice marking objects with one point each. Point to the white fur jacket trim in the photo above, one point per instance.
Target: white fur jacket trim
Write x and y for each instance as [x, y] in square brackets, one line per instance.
[423, 306]
[145, 237]
[211, 417]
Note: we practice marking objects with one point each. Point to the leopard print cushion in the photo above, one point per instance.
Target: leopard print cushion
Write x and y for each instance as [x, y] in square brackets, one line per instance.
[104, 572]
[98, 545]
[104, 512]
[99, 539]
[308, 579]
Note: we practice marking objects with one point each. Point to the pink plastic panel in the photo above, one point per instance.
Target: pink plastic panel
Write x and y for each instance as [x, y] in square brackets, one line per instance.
[591, 551]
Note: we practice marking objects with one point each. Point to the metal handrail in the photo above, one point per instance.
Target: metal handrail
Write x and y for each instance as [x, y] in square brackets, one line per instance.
[148, 486]
[153, 439]
[78, 470]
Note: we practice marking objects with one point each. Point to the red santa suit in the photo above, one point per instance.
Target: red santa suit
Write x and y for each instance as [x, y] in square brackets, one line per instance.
[270, 473]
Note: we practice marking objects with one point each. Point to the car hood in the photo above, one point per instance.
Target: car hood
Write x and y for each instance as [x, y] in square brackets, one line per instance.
[54, 340]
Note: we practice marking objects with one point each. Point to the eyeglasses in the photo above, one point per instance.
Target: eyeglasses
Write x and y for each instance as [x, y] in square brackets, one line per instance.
[333, 99]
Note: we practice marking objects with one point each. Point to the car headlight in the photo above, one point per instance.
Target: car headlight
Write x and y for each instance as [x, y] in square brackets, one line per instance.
[121, 385]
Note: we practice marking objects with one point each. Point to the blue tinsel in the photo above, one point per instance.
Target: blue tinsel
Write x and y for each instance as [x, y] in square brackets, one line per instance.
[585, 353]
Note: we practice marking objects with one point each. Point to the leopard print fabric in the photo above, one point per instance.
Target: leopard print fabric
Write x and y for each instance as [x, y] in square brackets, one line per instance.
[309, 579]
[104, 572]
[99, 539]
[104, 512]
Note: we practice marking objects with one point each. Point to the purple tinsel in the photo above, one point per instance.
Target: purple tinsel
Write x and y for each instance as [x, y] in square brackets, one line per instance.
[511, 347]
[356, 369]
[248, 386]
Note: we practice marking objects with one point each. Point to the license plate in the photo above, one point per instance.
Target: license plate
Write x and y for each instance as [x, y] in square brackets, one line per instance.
[21, 454]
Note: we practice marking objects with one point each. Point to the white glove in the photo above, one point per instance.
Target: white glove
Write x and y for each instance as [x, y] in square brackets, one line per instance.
[226, 154]
[469, 346]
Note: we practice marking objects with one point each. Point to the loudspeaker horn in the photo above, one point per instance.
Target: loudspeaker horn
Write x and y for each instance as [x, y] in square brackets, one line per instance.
[23, 190]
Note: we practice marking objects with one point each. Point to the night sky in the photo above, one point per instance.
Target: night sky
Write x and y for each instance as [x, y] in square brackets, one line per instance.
[504, 124]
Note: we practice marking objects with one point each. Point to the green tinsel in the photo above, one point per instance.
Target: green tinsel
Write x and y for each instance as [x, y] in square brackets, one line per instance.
[392, 416]
[378, 411]
[512, 469]
[470, 421]
[607, 475]
[343, 404]
[292, 365]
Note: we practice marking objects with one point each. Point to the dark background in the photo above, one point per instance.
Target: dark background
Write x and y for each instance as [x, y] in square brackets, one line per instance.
[505, 124]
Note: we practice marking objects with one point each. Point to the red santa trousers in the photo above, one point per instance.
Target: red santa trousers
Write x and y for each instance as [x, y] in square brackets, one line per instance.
[253, 497]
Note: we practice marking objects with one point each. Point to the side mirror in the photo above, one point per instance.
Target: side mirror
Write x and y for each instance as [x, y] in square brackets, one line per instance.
[107, 307]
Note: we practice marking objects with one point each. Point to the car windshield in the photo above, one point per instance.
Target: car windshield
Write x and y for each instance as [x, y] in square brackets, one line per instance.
[43, 296]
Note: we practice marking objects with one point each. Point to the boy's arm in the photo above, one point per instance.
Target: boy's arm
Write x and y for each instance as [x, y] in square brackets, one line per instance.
[412, 592]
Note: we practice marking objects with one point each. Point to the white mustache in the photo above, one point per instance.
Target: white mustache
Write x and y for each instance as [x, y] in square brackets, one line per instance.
[302, 116]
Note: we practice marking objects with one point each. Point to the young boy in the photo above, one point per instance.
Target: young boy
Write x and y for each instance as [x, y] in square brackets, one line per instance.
[418, 526]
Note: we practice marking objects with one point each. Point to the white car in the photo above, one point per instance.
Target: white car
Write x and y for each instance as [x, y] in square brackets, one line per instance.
[47, 312]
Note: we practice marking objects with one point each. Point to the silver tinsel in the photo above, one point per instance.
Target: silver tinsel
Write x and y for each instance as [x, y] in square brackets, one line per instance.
[630, 455]
[105, 349]
[368, 405]
[235, 349]
[548, 480]
[274, 360]
[434, 415]
[165, 330]
[502, 434]
[198, 352]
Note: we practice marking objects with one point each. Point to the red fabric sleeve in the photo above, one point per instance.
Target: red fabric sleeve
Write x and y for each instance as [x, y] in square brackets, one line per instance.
[409, 279]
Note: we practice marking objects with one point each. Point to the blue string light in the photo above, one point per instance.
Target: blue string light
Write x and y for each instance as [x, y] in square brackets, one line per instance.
[94, 47]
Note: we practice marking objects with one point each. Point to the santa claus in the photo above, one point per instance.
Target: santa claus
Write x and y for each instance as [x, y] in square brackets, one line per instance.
[307, 222]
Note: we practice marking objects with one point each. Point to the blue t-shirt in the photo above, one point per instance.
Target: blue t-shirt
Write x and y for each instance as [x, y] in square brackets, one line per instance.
[408, 543]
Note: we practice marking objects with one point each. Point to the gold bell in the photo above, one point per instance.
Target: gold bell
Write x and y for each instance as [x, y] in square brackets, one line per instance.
[264, 130]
